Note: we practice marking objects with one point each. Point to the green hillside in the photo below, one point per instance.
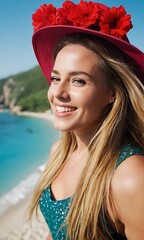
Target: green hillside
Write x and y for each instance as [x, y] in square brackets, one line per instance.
[28, 90]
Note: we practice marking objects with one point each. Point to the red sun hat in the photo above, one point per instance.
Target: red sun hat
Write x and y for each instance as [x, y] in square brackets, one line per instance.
[52, 24]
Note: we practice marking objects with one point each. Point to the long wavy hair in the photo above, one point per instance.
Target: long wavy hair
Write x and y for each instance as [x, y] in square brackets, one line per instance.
[122, 122]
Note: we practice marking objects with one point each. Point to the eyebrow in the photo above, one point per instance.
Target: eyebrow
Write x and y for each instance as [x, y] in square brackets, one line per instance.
[74, 73]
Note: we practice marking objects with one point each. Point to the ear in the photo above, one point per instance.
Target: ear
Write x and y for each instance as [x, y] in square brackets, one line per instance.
[112, 97]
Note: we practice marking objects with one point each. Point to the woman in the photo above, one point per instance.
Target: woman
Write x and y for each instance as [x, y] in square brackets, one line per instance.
[93, 184]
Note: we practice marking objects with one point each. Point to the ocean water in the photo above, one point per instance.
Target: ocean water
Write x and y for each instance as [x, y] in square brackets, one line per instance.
[25, 144]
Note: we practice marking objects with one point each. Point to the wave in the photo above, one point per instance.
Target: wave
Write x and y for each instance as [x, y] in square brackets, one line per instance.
[20, 191]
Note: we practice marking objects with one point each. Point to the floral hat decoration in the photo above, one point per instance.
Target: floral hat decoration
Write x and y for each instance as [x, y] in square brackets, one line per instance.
[51, 24]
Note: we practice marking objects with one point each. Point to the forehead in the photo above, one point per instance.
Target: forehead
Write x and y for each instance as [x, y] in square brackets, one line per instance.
[78, 56]
[77, 60]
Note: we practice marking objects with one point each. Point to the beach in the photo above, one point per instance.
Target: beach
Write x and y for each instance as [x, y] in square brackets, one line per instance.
[44, 115]
[14, 224]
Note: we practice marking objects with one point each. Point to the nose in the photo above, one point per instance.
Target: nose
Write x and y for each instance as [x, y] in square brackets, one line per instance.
[60, 90]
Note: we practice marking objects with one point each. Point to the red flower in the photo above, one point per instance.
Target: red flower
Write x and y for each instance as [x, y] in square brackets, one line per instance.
[114, 21]
[85, 14]
[64, 12]
[44, 16]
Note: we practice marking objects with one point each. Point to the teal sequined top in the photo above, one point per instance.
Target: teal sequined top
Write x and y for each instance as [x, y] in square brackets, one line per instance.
[55, 211]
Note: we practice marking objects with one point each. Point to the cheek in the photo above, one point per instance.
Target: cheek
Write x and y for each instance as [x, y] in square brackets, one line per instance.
[96, 100]
[49, 94]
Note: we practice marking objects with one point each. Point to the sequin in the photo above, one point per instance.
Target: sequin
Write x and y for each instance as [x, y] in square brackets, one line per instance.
[127, 151]
[55, 212]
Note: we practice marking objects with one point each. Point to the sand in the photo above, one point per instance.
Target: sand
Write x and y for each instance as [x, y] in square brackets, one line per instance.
[14, 224]
[44, 115]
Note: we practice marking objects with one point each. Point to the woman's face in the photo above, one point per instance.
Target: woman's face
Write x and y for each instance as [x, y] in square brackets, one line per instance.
[78, 93]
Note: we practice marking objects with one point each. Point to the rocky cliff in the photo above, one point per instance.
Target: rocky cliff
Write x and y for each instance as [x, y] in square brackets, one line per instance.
[26, 91]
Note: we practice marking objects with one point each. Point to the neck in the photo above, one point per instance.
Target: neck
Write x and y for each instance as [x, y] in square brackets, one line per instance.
[83, 139]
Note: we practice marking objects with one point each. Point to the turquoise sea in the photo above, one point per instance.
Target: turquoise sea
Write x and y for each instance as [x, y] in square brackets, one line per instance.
[25, 144]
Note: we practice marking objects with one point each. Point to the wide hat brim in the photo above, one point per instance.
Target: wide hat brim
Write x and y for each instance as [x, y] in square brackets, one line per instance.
[45, 39]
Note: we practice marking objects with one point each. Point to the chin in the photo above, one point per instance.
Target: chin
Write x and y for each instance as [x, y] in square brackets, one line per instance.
[63, 127]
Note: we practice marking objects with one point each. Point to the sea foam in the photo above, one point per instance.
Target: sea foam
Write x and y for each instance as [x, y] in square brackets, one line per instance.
[20, 191]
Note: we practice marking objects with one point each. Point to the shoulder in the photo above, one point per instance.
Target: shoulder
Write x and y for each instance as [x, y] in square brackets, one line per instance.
[127, 189]
[130, 172]
[130, 169]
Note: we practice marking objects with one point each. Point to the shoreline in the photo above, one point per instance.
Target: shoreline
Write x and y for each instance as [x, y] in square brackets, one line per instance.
[15, 225]
[13, 222]
[48, 115]
[20, 191]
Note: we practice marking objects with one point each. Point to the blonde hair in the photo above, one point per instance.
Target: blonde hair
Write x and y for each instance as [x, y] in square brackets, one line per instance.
[122, 122]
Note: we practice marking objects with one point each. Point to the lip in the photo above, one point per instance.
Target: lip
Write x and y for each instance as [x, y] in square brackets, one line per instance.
[59, 112]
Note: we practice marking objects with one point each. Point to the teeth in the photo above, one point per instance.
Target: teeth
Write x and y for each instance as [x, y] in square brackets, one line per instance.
[64, 109]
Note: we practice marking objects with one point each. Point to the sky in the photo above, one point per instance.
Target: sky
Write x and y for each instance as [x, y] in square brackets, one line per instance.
[16, 52]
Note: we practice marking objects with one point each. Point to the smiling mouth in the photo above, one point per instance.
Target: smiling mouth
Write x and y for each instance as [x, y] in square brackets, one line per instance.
[60, 109]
